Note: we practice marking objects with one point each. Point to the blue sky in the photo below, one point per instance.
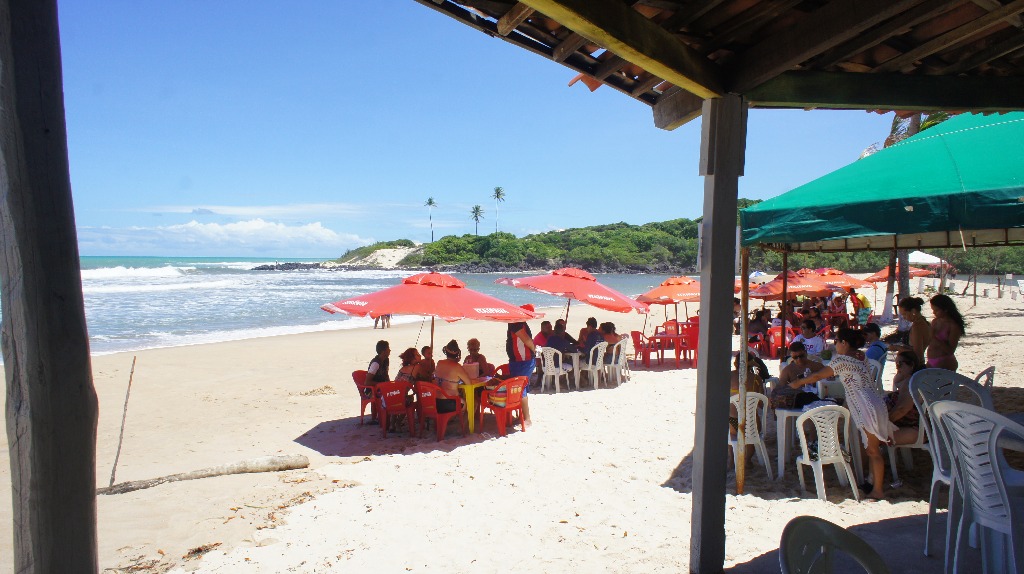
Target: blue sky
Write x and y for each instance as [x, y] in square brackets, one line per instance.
[303, 129]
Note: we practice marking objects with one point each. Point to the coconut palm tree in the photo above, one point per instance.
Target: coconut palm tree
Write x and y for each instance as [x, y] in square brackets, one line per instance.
[476, 214]
[431, 204]
[498, 195]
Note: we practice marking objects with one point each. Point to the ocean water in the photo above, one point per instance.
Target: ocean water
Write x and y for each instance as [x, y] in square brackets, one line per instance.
[134, 303]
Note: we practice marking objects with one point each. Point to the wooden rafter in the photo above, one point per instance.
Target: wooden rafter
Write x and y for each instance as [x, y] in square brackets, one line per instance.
[879, 34]
[567, 46]
[750, 20]
[608, 67]
[997, 50]
[1013, 20]
[675, 108]
[837, 22]
[514, 17]
[628, 34]
[890, 92]
[690, 14]
[906, 61]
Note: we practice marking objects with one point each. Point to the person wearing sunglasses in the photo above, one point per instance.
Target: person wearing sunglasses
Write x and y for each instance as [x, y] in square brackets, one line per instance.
[789, 395]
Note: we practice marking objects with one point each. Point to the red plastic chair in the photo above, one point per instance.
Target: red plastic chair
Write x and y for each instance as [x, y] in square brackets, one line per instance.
[691, 340]
[427, 407]
[366, 395]
[502, 371]
[392, 401]
[642, 348]
[508, 402]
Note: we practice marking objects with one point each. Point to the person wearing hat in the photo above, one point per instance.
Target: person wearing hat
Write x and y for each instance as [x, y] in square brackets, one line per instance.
[521, 359]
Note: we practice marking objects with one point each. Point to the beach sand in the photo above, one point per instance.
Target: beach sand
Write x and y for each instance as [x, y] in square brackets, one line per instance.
[600, 482]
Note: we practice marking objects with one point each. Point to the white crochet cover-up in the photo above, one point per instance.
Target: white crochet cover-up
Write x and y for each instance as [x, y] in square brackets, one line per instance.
[866, 406]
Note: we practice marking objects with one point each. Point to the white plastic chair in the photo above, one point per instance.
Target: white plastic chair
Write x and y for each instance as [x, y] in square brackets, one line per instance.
[809, 544]
[618, 365]
[982, 395]
[986, 378]
[553, 368]
[876, 372]
[594, 364]
[831, 449]
[991, 490]
[755, 424]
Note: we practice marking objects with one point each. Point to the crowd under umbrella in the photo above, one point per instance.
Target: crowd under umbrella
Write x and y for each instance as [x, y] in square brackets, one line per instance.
[573, 283]
[432, 295]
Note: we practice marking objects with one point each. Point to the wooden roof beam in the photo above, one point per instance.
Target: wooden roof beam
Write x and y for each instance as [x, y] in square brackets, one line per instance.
[1014, 20]
[997, 50]
[675, 108]
[515, 16]
[879, 34]
[837, 22]
[567, 46]
[803, 90]
[626, 33]
[906, 61]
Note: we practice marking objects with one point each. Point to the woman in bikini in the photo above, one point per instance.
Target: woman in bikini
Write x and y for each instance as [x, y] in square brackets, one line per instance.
[410, 358]
[920, 329]
[947, 328]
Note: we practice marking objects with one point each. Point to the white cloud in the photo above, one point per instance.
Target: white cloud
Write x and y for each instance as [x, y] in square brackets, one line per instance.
[302, 211]
[255, 237]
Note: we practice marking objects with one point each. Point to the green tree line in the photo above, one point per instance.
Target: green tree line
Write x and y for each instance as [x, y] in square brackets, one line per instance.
[669, 246]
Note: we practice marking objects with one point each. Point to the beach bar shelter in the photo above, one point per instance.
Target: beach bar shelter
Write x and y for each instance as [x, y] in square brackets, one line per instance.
[959, 184]
[684, 59]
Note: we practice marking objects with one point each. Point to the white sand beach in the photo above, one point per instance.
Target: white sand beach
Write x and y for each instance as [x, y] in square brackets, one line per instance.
[600, 482]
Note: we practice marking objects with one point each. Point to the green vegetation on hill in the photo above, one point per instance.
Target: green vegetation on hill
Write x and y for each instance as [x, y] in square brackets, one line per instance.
[366, 250]
[667, 246]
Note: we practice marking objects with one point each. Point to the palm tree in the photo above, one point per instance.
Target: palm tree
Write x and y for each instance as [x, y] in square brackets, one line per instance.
[431, 204]
[476, 214]
[499, 195]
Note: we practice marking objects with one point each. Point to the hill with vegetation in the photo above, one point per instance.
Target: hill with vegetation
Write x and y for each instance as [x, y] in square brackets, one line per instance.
[661, 247]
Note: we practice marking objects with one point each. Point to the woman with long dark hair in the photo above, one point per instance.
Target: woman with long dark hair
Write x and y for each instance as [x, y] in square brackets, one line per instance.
[948, 326]
[920, 330]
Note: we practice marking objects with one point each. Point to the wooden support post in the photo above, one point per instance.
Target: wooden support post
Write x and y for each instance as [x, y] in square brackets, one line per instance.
[51, 403]
[783, 310]
[723, 141]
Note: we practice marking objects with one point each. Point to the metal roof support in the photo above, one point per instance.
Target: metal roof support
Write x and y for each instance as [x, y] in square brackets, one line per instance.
[51, 402]
[723, 144]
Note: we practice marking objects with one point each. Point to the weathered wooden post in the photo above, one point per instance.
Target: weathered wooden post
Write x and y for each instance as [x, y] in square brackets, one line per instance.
[51, 402]
[723, 142]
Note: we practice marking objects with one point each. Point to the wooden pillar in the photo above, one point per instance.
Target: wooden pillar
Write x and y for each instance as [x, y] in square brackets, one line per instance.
[723, 141]
[51, 403]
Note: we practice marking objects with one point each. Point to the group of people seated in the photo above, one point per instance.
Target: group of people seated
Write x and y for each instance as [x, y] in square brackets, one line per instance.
[590, 335]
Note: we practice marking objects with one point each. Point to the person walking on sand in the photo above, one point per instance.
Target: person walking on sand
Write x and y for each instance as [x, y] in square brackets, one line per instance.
[521, 361]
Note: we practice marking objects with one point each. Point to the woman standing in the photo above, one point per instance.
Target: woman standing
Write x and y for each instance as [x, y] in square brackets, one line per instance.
[920, 330]
[947, 328]
[867, 408]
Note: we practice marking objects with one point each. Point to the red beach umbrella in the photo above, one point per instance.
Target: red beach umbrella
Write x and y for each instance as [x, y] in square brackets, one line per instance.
[433, 295]
[679, 289]
[839, 278]
[573, 283]
[807, 285]
[883, 275]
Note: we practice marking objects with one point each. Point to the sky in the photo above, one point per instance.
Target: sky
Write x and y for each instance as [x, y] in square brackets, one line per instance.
[303, 129]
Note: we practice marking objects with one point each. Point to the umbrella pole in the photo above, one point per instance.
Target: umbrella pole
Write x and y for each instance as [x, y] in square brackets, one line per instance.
[785, 303]
[677, 311]
[741, 413]
[685, 310]
[431, 332]
[644, 328]
[567, 301]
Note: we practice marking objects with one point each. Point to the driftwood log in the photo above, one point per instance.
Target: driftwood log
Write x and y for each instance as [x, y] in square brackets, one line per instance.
[263, 464]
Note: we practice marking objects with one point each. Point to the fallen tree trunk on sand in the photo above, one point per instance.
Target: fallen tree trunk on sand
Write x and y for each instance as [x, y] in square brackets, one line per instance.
[262, 464]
